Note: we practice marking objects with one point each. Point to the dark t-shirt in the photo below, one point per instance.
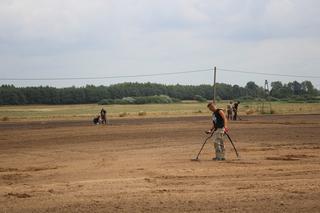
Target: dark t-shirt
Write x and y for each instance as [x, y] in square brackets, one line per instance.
[103, 113]
[236, 106]
[217, 119]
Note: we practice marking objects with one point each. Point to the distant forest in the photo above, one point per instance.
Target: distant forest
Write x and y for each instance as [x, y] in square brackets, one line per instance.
[11, 95]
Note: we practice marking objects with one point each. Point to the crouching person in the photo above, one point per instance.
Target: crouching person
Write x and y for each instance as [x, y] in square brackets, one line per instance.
[97, 120]
[219, 126]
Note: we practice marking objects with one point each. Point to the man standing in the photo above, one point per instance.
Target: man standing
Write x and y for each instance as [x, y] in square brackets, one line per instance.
[219, 126]
[103, 115]
[235, 110]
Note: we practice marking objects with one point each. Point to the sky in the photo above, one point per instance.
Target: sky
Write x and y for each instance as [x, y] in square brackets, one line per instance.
[99, 38]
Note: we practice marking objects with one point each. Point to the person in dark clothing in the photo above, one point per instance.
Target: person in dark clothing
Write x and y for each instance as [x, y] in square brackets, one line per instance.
[219, 126]
[235, 110]
[103, 115]
[96, 120]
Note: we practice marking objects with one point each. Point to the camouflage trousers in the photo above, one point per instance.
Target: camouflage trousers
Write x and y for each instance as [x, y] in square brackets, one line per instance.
[218, 136]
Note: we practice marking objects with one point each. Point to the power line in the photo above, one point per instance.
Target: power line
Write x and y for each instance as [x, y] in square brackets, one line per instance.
[104, 77]
[269, 74]
[155, 74]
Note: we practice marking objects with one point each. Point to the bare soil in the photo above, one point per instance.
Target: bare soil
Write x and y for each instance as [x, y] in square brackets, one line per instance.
[143, 165]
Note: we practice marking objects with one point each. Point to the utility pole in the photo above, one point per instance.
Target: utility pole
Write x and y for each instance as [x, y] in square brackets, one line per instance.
[214, 84]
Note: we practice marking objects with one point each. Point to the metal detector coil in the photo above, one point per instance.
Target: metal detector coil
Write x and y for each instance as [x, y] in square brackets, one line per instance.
[197, 158]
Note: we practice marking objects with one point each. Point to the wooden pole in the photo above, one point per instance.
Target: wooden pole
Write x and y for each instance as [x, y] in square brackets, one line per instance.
[214, 84]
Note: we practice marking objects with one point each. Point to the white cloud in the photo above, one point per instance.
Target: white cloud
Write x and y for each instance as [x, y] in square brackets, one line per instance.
[96, 37]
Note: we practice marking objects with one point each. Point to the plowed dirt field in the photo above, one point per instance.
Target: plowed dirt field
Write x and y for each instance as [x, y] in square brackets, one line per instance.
[143, 165]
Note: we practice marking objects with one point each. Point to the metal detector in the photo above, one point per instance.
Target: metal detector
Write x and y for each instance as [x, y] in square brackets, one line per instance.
[238, 156]
[197, 158]
[234, 147]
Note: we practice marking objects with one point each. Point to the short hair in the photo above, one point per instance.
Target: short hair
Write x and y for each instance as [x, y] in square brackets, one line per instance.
[209, 104]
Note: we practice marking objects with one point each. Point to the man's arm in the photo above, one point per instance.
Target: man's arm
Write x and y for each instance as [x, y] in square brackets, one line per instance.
[212, 128]
[225, 120]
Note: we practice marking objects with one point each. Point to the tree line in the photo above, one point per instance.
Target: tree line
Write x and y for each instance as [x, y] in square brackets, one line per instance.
[11, 95]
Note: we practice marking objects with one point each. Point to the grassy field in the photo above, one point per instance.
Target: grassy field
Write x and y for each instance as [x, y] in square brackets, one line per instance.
[88, 111]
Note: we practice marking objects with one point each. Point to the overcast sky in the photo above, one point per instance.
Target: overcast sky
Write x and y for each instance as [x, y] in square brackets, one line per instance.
[90, 38]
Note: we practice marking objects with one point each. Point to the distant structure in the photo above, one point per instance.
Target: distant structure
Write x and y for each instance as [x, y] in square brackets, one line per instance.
[266, 104]
[266, 88]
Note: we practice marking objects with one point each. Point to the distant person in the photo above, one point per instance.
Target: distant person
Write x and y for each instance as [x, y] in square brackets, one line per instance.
[103, 115]
[229, 111]
[235, 110]
[97, 120]
[219, 126]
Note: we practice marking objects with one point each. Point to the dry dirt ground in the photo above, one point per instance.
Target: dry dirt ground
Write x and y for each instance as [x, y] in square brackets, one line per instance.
[143, 165]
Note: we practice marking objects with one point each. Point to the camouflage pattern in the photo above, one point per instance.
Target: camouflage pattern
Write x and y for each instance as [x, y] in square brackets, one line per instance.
[218, 136]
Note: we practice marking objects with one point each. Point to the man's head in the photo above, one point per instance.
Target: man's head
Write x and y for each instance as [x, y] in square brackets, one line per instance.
[212, 106]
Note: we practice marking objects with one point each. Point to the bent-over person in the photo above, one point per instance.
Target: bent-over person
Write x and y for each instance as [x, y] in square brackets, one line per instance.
[229, 111]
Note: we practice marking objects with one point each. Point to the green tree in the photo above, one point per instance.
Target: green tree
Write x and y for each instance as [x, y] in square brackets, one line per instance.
[252, 89]
[295, 87]
[308, 88]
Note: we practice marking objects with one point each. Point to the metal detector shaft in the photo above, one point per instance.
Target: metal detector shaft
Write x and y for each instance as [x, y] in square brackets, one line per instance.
[204, 144]
[232, 144]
